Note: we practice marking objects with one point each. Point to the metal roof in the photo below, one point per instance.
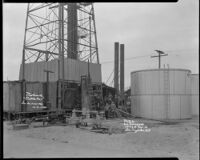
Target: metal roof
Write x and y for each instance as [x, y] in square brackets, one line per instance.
[162, 69]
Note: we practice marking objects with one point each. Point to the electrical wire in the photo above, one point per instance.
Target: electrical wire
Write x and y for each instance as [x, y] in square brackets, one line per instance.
[110, 76]
[167, 51]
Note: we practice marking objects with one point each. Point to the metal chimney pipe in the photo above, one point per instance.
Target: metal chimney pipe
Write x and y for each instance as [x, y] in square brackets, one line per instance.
[72, 32]
[122, 70]
[116, 68]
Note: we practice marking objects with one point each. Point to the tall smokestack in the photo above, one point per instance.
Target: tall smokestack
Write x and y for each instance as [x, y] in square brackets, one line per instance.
[122, 70]
[116, 68]
[72, 32]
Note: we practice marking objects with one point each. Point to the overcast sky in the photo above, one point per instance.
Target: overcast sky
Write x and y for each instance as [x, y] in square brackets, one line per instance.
[142, 27]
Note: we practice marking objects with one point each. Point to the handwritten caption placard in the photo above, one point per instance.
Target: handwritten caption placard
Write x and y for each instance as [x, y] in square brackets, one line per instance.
[34, 100]
[133, 126]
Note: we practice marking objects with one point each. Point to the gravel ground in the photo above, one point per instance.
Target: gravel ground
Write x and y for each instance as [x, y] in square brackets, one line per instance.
[180, 139]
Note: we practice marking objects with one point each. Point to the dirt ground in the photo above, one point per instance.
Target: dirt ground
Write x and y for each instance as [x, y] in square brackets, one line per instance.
[180, 139]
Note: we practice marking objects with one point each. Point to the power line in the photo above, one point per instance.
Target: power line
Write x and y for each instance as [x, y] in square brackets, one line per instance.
[136, 57]
[130, 58]
[110, 76]
[189, 49]
[112, 79]
[127, 58]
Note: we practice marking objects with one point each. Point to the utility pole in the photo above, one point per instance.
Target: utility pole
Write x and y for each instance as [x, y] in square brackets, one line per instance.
[89, 87]
[88, 70]
[23, 88]
[90, 39]
[61, 57]
[160, 54]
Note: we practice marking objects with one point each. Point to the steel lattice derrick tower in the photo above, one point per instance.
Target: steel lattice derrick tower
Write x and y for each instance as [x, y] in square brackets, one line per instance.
[41, 41]
[59, 31]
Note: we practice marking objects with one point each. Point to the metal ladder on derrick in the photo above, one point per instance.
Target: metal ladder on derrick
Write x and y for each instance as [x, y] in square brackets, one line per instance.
[167, 91]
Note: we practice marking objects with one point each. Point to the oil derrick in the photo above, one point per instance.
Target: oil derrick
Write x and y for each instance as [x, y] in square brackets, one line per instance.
[55, 31]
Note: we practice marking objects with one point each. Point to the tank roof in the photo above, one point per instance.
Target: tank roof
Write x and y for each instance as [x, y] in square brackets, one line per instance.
[162, 69]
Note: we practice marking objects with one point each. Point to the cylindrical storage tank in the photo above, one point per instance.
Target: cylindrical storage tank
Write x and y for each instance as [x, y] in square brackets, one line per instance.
[195, 93]
[161, 94]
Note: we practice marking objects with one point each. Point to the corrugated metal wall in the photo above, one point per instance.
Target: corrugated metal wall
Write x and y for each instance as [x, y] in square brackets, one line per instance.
[73, 71]
[195, 93]
[36, 89]
[39, 88]
[53, 94]
[11, 96]
[5, 96]
[153, 96]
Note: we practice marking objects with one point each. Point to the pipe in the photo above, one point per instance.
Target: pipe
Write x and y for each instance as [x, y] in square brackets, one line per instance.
[116, 68]
[122, 70]
[72, 33]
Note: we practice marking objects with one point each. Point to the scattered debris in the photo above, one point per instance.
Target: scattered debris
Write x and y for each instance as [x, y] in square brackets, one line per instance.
[20, 126]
